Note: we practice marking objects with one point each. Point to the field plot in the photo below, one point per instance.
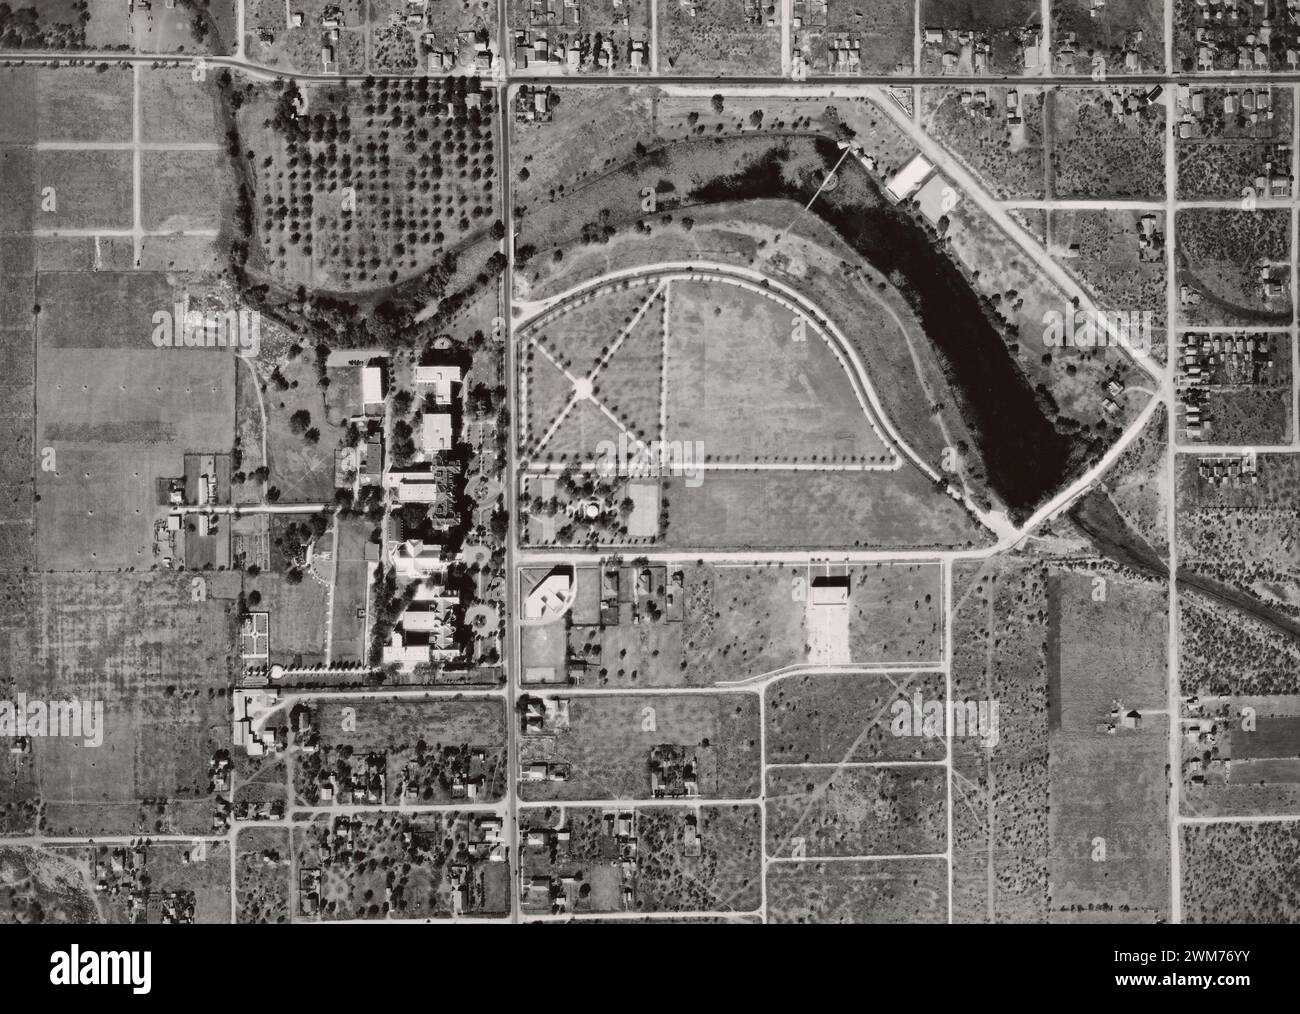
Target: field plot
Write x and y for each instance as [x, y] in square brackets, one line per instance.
[1108, 820]
[856, 811]
[119, 415]
[159, 664]
[351, 586]
[719, 37]
[645, 859]
[996, 131]
[1118, 255]
[1234, 142]
[865, 891]
[66, 104]
[1127, 34]
[263, 868]
[1107, 143]
[299, 613]
[374, 182]
[396, 751]
[1000, 822]
[80, 189]
[829, 718]
[1241, 873]
[1241, 530]
[183, 190]
[600, 747]
[844, 36]
[176, 109]
[1234, 266]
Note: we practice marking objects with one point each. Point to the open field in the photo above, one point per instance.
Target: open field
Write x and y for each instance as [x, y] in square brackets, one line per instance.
[1118, 255]
[856, 811]
[1241, 873]
[1100, 149]
[1108, 828]
[607, 740]
[827, 718]
[721, 37]
[66, 104]
[866, 891]
[117, 414]
[1000, 823]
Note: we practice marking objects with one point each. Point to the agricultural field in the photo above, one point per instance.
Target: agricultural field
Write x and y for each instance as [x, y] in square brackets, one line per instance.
[719, 37]
[1240, 873]
[1107, 143]
[1234, 266]
[1127, 36]
[597, 747]
[410, 181]
[858, 891]
[153, 666]
[393, 751]
[1108, 821]
[1001, 647]
[996, 131]
[115, 415]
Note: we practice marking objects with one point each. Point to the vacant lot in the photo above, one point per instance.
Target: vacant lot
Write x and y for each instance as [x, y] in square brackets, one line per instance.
[1238, 263]
[869, 891]
[719, 37]
[1099, 149]
[263, 867]
[1241, 873]
[831, 718]
[856, 811]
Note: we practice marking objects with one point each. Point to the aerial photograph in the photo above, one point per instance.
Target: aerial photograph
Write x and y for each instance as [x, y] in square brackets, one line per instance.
[650, 461]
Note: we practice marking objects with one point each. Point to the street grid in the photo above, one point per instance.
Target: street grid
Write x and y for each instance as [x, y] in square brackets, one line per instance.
[871, 87]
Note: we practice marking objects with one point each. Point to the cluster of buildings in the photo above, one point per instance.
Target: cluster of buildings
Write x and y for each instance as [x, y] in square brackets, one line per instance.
[123, 871]
[1067, 47]
[1131, 101]
[193, 534]
[533, 105]
[331, 21]
[969, 52]
[920, 182]
[1243, 29]
[575, 51]
[1212, 359]
[1228, 470]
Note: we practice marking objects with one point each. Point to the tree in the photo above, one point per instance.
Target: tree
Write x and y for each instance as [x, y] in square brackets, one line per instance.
[716, 102]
